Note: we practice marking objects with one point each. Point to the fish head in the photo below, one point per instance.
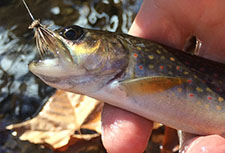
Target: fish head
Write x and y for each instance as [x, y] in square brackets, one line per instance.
[83, 60]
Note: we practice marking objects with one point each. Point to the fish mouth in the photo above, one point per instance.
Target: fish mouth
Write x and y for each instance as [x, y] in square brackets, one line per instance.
[51, 65]
[55, 56]
[45, 67]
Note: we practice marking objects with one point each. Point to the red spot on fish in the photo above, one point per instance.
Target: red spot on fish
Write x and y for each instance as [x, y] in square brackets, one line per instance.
[178, 68]
[141, 67]
[189, 81]
[209, 98]
[218, 89]
[161, 67]
[135, 55]
[191, 95]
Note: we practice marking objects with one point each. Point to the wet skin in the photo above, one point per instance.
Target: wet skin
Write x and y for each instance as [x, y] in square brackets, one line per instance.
[171, 23]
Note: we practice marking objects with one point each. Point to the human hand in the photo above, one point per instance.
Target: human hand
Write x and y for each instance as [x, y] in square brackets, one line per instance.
[171, 23]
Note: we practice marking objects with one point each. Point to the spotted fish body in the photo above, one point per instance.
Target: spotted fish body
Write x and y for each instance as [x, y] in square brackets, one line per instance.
[198, 98]
[160, 83]
[204, 78]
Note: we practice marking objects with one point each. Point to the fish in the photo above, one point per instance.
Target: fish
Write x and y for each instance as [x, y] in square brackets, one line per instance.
[155, 81]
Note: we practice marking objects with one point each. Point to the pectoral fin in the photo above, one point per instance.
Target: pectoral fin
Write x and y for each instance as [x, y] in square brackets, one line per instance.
[148, 85]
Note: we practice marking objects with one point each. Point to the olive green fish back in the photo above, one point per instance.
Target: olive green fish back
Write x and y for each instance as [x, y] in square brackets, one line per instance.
[205, 81]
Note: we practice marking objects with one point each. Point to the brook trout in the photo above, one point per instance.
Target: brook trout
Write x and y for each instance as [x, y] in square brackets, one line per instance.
[155, 81]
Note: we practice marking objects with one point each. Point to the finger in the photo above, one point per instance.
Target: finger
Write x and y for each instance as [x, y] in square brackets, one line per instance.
[123, 131]
[155, 22]
[211, 144]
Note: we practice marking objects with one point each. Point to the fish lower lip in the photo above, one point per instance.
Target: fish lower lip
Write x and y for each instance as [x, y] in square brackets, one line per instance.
[48, 67]
[56, 66]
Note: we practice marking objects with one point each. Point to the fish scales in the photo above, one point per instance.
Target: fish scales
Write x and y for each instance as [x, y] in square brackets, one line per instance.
[205, 82]
[205, 77]
[155, 81]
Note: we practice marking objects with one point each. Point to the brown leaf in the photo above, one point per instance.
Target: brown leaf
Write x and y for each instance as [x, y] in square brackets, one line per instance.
[63, 114]
[93, 122]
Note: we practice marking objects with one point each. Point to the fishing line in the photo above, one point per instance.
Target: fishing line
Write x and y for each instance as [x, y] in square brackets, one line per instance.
[28, 10]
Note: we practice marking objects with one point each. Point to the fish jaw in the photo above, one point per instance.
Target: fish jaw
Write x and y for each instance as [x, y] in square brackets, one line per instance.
[48, 67]
[54, 74]
[68, 77]
[54, 68]
[74, 80]
[81, 65]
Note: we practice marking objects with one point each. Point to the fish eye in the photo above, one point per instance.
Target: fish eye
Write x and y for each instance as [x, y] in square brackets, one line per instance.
[72, 33]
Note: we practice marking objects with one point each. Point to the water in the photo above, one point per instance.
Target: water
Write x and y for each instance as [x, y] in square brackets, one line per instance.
[21, 93]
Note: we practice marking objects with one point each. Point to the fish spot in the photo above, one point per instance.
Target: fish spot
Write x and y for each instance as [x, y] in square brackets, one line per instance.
[189, 81]
[172, 59]
[179, 89]
[140, 67]
[178, 68]
[135, 55]
[163, 57]
[158, 51]
[199, 89]
[161, 67]
[220, 99]
[218, 107]
[191, 95]
[173, 94]
[209, 98]
[195, 76]
[199, 103]
[151, 66]
[208, 89]
[151, 57]
[146, 50]
[218, 89]
[207, 106]
[186, 73]
[138, 48]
